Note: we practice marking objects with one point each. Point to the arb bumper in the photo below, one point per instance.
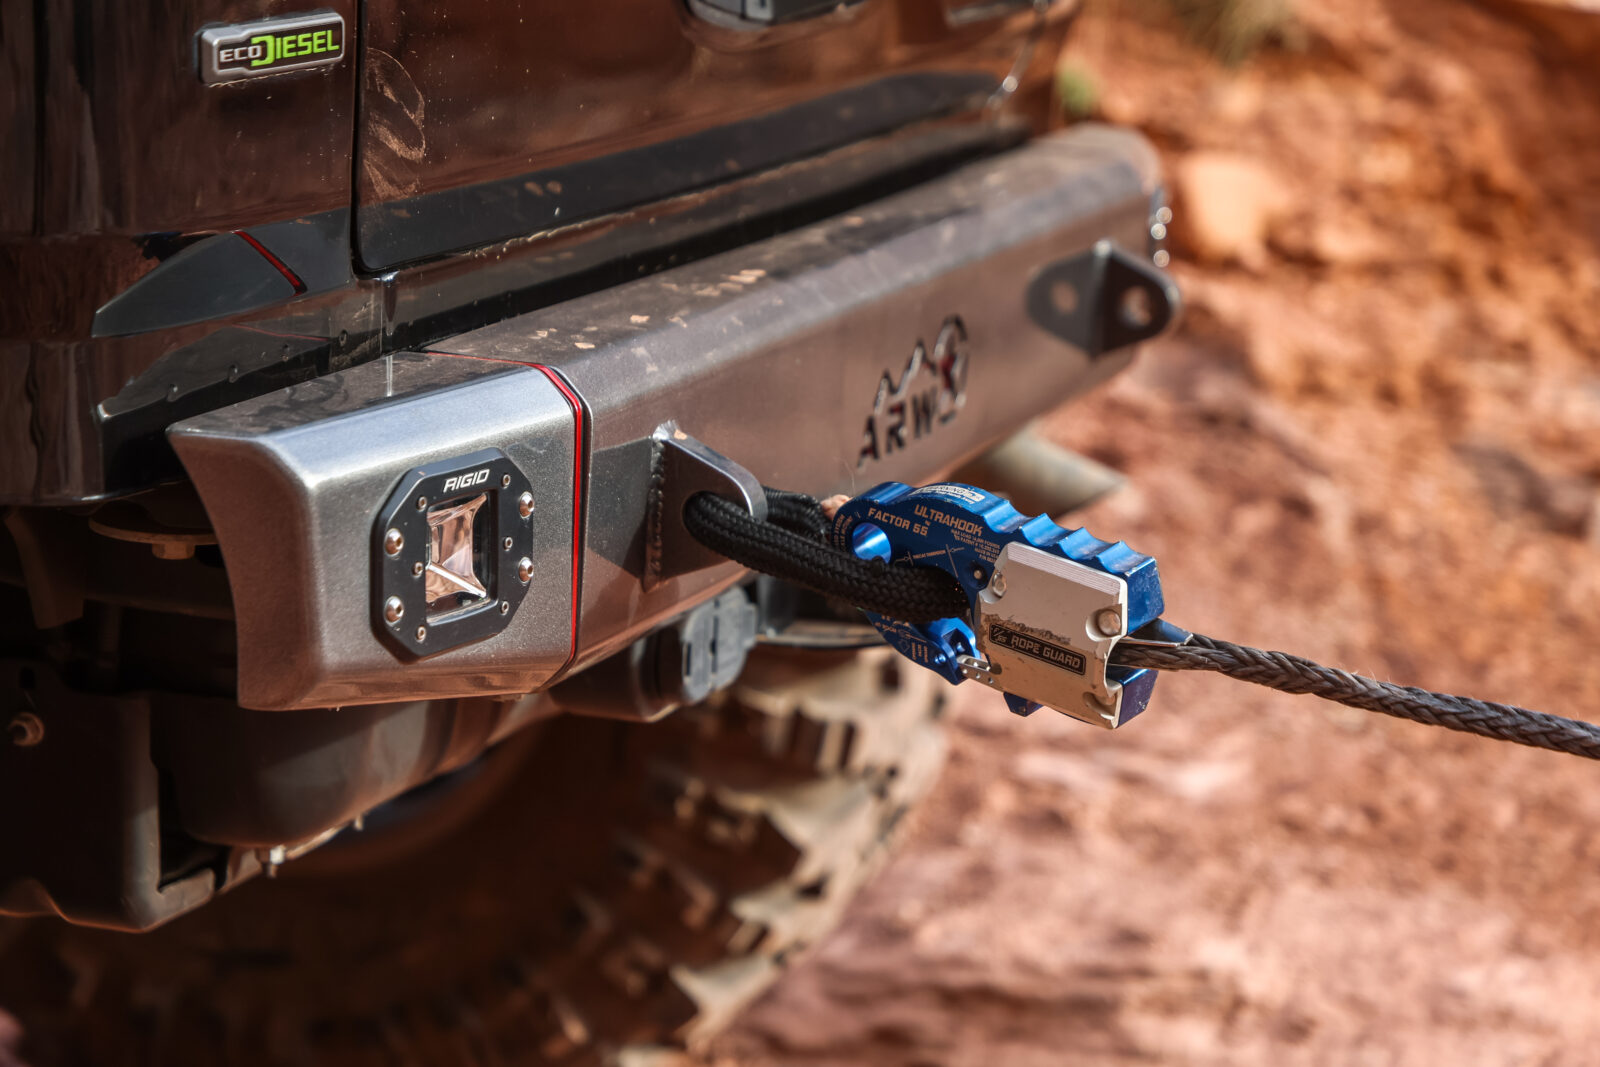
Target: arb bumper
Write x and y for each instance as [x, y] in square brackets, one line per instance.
[474, 519]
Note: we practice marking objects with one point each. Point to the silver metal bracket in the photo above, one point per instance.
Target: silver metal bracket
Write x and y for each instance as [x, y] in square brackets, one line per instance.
[682, 466]
[978, 670]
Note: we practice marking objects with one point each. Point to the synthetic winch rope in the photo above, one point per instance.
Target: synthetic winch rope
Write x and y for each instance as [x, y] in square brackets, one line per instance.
[791, 546]
[1295, 674]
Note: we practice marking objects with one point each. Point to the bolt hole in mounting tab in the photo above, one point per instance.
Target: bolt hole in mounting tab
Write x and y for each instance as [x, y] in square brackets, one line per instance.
[1103, 299]
[682, 466]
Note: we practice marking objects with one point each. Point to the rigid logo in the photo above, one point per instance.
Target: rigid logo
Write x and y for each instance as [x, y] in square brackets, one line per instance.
[271, 46]
[466, 481]
[929, 393]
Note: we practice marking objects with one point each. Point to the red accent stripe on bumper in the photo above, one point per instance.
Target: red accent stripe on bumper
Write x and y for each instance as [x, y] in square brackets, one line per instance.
[577, 498]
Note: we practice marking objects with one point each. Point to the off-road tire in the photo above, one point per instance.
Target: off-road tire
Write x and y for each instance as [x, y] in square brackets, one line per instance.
[628, 890]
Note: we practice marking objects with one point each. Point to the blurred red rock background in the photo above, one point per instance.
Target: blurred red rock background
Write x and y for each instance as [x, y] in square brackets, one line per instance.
[1374, 441]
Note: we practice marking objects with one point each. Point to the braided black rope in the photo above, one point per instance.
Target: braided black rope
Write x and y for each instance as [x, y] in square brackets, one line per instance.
[797, 512]
[915, 594]
[1295, 674]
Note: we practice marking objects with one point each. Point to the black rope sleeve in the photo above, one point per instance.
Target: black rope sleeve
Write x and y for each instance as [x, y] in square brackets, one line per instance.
[1295, 674]
[798, 513]
[913, 594]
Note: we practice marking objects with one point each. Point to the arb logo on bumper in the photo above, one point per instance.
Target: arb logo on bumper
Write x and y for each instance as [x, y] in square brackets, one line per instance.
[930, 392]
[271, 46]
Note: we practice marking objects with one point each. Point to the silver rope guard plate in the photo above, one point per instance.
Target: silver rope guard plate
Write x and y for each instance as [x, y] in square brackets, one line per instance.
[1045, 627]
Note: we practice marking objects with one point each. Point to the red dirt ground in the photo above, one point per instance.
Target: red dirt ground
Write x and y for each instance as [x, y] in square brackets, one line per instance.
[1375, 441]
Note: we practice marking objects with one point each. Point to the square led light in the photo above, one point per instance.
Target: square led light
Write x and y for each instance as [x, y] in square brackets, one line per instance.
[452, 553]
[455, 548]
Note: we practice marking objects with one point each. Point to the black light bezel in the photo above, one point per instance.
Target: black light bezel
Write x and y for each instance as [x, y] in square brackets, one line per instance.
[395, 575]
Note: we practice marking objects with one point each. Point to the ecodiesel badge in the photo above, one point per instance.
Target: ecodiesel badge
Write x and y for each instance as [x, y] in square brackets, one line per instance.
[271, 46]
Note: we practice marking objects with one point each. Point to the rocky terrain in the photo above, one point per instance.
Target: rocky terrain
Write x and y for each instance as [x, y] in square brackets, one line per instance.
[1375, 441]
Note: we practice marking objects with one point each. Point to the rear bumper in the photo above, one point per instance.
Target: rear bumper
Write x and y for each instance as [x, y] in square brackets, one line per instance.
[888, 343]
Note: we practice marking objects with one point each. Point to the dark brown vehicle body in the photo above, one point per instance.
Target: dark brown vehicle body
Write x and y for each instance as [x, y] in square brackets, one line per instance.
[466, 161]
